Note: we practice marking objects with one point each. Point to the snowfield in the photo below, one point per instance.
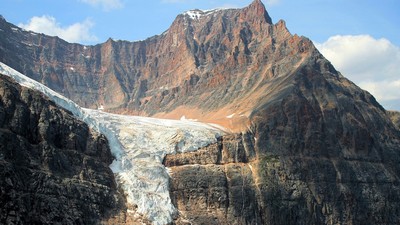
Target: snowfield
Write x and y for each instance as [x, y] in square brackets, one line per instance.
[197, 14]
[139, 145]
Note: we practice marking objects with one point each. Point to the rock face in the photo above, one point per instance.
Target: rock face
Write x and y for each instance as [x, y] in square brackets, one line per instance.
[206, 66]
[395, 117]
[241, 180]
[307, 145]
[54, 169]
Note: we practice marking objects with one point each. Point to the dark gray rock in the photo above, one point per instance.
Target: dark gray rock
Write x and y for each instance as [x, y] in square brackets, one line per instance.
[309, 146]
[53, 168]
[322, 152]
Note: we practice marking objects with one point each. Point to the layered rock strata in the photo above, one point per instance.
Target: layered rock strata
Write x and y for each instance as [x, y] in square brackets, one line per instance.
[237, 181]
[207, 67]
[307, 147]
[53, 168]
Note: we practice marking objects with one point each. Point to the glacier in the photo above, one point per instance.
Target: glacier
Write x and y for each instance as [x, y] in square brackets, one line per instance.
[139, 145]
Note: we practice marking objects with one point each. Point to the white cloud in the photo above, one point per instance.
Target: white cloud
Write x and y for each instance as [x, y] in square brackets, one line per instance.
[77, 32]
[384, 90]
[107, 5]
[373, 64]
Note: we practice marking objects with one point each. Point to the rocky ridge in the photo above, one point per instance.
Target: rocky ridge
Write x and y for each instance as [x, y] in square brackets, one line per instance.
[259, 177]
[308, 146]
[204, 68]
[139, 145]
[54, 169]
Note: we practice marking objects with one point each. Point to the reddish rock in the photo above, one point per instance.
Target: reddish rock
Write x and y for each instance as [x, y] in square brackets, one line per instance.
[208, 68]
[308, 145]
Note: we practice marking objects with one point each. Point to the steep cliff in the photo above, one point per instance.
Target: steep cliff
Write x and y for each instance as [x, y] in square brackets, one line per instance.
[53, 168]
[207, 65]
[319, 150]
[138, 145]
[341, 175]
[307, 145]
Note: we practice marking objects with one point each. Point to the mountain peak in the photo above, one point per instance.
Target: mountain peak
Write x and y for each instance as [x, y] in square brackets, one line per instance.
[257, 2]
[197, 13]
[257, 9]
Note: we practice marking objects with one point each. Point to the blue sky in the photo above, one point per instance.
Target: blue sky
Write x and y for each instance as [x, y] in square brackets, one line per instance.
[360, 37]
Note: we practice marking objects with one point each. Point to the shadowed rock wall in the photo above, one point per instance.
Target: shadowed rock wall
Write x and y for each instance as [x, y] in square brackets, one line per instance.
[53, 168]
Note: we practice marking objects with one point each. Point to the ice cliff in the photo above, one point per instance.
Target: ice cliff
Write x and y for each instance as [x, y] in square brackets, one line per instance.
[139, 145]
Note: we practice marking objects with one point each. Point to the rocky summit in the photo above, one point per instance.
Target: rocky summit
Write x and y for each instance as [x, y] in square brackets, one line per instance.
[217, 65]
[304, 144]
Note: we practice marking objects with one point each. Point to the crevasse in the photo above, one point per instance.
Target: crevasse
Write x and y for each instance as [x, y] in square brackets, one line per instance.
[139, 145]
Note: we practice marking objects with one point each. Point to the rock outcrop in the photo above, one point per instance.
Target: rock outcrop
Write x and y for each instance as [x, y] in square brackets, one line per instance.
[53, 168]
[207, 65]
[261, 178]
[395, 117]
[317, 150]
[307, 145]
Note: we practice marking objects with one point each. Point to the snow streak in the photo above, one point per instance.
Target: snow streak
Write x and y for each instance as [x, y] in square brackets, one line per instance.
[139, 145]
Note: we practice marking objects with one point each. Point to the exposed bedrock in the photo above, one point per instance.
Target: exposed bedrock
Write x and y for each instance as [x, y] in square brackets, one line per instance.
[302, 161]
[53, 168]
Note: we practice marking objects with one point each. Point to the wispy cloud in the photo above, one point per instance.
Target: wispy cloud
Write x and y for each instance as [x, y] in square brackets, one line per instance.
[77, 32]
[373, 64]
[106, 5]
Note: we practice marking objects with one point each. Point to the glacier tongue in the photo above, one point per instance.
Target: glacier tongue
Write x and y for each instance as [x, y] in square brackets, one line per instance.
[139, 145]
[143, 143]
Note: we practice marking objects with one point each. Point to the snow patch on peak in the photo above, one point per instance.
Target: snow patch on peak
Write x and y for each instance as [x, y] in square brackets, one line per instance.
[15, 29]
[197, 14]
[194, 14]
[139, 145]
